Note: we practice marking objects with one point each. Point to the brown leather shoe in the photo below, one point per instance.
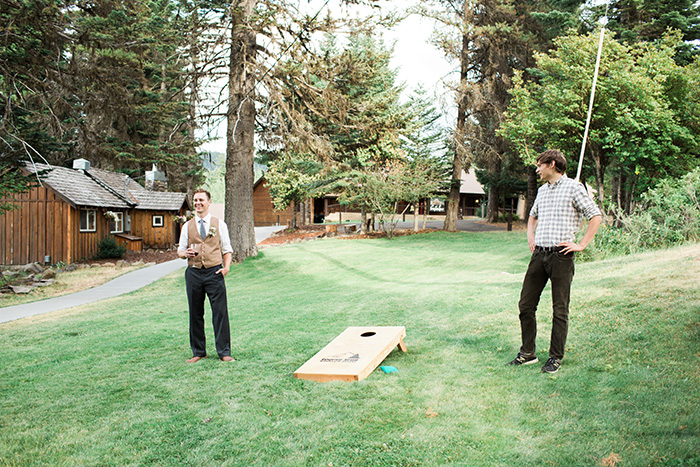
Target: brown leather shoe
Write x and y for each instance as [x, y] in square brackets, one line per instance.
[227, 358]
[195, 359]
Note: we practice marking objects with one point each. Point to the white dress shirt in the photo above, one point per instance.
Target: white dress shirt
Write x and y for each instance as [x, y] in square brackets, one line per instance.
[223, 234]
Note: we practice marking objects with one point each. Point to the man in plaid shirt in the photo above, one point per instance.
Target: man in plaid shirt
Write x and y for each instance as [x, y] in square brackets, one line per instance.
[554, 220]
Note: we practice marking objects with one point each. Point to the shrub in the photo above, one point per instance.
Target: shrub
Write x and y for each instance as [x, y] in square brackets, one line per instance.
[109, 248]
[668, 215]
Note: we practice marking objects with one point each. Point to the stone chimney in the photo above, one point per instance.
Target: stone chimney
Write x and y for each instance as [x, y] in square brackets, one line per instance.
[156, 180]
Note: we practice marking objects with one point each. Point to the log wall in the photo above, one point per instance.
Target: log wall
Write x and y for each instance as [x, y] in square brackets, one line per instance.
[45, 225]
[155, 237]
[263, 210]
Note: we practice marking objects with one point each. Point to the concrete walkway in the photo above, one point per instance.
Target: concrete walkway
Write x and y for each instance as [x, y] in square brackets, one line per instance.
[121, 285]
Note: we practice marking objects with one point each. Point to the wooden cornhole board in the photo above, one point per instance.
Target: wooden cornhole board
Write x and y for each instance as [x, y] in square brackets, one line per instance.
[353, 355]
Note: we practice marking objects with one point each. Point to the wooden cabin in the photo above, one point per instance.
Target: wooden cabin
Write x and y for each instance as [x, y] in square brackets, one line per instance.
[151, 218]
[64, 218]
[264, 212]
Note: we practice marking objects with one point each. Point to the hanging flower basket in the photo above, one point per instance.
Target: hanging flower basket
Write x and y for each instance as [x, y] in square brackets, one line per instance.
[111, 216]
[182, 219]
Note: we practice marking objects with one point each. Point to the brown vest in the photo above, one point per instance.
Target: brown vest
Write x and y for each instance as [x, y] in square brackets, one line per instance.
[210, 252]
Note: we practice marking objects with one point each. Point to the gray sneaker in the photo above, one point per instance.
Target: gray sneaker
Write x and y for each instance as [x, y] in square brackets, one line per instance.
[521, 359]
[552, 366]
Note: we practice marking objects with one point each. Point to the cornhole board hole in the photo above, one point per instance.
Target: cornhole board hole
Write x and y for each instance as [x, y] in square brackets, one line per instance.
[353, 355]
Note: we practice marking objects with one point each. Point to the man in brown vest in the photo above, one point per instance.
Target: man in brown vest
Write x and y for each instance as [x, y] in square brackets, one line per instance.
[205, 243]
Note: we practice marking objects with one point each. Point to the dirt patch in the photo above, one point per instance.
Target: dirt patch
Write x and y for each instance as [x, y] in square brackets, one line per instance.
[312, 232]
[396, 233]
[305, 232]
[147, 256]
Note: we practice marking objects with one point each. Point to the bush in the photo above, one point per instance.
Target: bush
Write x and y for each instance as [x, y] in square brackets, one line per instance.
[668, 215]
[108, 248]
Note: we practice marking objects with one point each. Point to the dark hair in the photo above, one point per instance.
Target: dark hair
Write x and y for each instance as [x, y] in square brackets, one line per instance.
[553, 155]
[202, 190]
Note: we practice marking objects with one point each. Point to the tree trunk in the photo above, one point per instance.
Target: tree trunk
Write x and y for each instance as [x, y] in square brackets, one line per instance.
[452, 207]
[531, 191]
[240, 134]
[363, 220]
[494, 194]
[191, 126]
[633, 187]
[416, 209]
[616, 183]
[599, 178]
[492, 212]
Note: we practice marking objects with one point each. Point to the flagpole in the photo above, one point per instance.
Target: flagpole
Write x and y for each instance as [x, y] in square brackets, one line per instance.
[590, 103]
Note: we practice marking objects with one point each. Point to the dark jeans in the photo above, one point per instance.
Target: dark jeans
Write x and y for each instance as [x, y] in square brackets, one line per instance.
[201, 282]
[544, 266]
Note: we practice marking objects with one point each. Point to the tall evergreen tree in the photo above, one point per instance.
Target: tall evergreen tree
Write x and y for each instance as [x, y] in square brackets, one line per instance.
[633, 21]
[427, 149]
[131, 84]
[32, 56]
[496, 37]
[343, 110]
[105, 81]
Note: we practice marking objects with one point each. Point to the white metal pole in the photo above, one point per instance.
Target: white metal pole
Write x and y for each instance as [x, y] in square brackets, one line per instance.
[590, 104]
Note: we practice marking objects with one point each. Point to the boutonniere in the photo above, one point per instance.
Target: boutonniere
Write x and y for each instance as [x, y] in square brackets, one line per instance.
[212, 231]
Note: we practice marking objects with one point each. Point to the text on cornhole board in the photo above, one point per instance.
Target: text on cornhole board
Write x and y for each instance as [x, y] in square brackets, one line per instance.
[354, 354]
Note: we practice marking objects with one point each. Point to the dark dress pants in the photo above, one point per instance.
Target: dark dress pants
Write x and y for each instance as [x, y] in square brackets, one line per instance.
[200, 283]
[559, 269]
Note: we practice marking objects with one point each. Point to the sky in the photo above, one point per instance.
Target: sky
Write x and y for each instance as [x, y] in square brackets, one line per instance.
[415, 59]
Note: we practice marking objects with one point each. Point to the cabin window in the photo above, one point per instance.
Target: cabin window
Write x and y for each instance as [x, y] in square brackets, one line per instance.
[88, 220]
[117, 225]
[158, 221]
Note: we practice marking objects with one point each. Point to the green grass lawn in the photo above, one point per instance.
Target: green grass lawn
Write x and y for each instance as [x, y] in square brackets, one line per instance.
[107, 384]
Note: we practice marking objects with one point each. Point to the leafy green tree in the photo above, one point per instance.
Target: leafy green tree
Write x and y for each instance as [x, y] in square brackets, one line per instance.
[644, 122]
[292, 178]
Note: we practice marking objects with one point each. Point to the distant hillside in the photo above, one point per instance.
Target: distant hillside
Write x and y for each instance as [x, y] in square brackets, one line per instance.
[213, 160]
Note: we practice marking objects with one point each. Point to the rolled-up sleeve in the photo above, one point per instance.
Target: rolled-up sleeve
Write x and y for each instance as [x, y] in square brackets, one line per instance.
[534, 209]
[184, 238]
[585, 203]
[225, 238]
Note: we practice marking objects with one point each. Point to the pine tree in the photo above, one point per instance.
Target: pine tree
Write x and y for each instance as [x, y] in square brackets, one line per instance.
[496, 37]
[31, 59]
[344, 111]
[634, 21]
[104, 81]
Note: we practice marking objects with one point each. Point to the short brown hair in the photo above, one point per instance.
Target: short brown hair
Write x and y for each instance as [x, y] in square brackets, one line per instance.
[202, 190]
[553, 155]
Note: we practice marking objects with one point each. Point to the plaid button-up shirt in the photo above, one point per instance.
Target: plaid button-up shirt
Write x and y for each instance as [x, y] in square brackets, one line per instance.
[559, 209]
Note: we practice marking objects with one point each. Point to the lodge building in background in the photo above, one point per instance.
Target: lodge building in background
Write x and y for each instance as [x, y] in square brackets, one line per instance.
[64, 218]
